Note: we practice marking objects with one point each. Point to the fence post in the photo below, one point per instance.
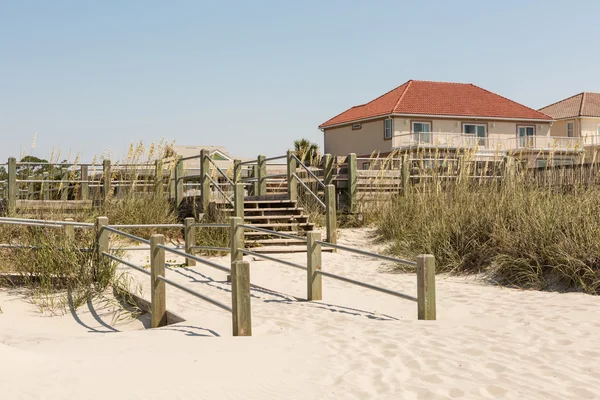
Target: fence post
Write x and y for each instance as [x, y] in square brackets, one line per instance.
[178, 183]
[158, 296]
[313, 264]
[262, 175]
[327, 169]
[45, 186]
[12, 185]
[237, 171]
[107, 177]
[85, 185]
[330, 214]
[64, 183]
[405, 174]
[292, 182]
[238, 200]
[426, 287]
[189, 233]
[101, 242]
[69, 231]
[237, 239]
[254, 180]
[30, 188]
[240, 299]
[158, 178]
[204, 181]
[352, 182]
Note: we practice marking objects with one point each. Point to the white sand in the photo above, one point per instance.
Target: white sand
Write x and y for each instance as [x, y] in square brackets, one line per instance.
[488, 342]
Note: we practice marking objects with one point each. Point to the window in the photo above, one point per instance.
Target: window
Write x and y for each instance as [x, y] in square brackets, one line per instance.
[387, 130]
[478, 131]
[421, 132]
[356, 127]
[570, 129]
[366, 165]
[598, 129]
[526, 134]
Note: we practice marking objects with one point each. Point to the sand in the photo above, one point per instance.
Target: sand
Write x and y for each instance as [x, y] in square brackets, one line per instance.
[488, 342]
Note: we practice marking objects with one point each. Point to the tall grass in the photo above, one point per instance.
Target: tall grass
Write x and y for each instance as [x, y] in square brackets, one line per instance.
[535, 230]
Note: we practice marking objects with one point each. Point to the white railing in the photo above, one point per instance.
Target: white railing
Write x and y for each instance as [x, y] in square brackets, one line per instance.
[442, 140]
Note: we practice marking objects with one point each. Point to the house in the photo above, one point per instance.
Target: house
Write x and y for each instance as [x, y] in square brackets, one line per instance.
[218, 154]
[578, 116]
[451, 117]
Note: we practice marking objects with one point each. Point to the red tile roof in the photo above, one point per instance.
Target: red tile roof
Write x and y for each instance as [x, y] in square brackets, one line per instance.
[438, 98]
[581, 105]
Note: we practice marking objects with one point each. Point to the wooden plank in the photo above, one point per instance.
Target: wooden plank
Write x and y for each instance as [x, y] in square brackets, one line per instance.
[189, 232]
[69, 230]
[426, 287]
[327, 169]
[178, 183]
[204, 181]
[85, 186]
[238, 200]
[330, 214]
[352, 180]
[292, 182]
[237, 239]
[12, 186]
[158, 294]
[158, 178]
[102, 242]
[107, 177]
[313, 263]
[262, 175]
[240, 299]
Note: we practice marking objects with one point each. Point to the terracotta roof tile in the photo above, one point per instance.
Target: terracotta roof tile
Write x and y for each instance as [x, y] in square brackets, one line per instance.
[438, 98]
[581, 105]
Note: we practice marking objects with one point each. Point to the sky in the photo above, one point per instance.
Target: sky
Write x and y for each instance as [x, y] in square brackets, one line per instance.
[91, 77]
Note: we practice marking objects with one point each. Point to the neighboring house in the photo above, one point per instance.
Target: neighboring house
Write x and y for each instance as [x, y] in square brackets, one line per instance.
[446, 116]
[218, 154]
[578, 116]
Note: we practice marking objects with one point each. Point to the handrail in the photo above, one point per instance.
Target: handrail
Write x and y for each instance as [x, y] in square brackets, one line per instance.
[310, 191]
[219, 189]
[274, 233]
[367, 285]
[201, 225]
[146, 226]
[367, 253]
[127, 235]
[220, 171]
[266, 257]
[211, 248]
[188, 158]
[193, 293]
[309, 171]
[249, 162]
[275, 158]
[76, 224]
[192, 257]
[131, 265]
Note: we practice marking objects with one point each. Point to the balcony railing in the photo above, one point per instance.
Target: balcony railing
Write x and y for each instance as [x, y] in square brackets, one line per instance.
[442, 140]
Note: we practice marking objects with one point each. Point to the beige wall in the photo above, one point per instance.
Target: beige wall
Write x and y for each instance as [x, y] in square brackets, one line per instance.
[341, 141]
[589, 126]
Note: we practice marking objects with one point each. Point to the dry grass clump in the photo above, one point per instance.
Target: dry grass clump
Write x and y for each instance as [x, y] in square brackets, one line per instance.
[520, 230]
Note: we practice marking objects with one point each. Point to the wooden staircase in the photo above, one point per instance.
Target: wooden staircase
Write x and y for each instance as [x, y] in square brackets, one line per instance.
[276, 213]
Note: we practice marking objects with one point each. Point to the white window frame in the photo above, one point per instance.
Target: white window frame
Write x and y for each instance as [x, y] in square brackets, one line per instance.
[421, 137]
[481, 140]
[572, 123]
[527, 140]
[387, 136]
[598, 129]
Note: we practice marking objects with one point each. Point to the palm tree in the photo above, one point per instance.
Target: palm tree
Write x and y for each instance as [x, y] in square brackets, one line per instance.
[307, 151]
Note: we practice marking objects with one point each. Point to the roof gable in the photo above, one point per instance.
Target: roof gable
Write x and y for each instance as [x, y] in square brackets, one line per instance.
[581, 105]
[439, 98]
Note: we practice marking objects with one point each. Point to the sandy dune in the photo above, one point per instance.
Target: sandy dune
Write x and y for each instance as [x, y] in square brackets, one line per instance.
[488, 342]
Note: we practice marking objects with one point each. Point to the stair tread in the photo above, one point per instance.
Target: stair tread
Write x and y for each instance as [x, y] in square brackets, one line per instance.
[267, 217]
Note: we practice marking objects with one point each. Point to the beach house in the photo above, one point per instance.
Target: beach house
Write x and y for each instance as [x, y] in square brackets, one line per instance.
[451, 118]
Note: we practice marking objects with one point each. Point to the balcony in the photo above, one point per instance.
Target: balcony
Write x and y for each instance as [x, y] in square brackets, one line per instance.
[462, 141]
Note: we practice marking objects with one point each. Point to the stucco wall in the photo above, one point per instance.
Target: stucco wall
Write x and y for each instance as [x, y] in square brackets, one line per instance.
[341, 141]
[589, 126]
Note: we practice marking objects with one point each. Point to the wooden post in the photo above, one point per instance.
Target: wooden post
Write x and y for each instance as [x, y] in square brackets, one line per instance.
[313, 264]
[64, 183]
[426, 287]
[12, 186]
[352, 182]
[101, 242]
[31, 188]
[107, 177]
[204, 181]
[85, 185]
[158, 295]
[237, 171]
[178, 183]
[327, 169]
[69, 231]
[240, 299]
[405, 174]
[237, 239]
[330, 214]
[292, 182]
[158, 178]
[254, 186]
[189, 232]
[262, 175]
[238, 200]
[45, 186]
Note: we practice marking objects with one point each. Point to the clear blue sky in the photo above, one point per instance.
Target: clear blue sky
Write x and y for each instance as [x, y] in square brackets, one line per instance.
[90, 76]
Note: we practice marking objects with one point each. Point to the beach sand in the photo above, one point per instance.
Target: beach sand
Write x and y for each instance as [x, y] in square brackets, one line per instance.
[488, 342]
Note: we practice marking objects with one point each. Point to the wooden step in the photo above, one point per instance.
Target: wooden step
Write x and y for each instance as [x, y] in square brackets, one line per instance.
[297, 218]
[285, 225]
[258, 234]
